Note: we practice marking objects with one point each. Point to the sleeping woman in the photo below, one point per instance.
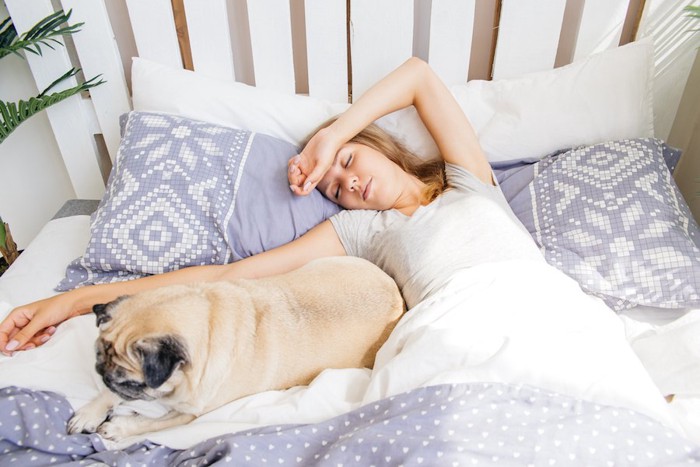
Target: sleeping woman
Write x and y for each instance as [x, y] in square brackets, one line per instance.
[419, 221]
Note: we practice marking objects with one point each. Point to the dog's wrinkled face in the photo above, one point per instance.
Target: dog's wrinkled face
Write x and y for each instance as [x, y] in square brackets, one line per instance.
[133, 365]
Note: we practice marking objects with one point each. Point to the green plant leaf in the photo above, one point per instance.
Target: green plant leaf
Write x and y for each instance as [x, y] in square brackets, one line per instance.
[43, 33]
[3, 234]
[13, 114]
[694, 11]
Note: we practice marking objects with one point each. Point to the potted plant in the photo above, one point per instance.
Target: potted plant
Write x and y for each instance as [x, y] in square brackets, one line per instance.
[43, 34]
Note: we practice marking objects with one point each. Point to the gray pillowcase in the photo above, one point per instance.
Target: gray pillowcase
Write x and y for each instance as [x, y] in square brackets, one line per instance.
[184, 193]
[612, 217]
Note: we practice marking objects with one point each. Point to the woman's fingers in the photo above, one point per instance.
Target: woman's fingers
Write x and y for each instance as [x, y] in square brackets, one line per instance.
[298, 174]
[295, 176]
[313, 178]
[308, 167]
[18, 329]
[41, 338]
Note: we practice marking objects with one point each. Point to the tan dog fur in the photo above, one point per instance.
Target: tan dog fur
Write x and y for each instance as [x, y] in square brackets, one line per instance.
[243, 337]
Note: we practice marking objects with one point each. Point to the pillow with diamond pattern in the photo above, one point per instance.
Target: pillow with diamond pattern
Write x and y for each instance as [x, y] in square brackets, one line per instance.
[184, 192]
[611, 217]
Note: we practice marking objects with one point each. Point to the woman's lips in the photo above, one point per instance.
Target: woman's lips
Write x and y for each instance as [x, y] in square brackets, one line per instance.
[368, 188]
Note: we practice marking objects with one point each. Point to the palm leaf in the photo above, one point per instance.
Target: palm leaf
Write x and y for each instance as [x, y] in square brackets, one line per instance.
[43, 33]
[694, 13]
[2, 233]
[8, 33]
[13, 114]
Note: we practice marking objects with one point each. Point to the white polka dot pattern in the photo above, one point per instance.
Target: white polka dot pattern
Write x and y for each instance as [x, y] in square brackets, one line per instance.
[453, 425]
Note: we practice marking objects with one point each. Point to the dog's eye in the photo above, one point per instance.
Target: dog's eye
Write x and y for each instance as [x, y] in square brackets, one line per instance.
[133, 384]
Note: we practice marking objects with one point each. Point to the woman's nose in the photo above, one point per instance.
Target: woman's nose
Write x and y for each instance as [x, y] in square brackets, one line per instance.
[350, 182]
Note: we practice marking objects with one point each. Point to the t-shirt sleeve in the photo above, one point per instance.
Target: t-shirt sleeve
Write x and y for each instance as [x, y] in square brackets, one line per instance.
[461, 179]
[353, 229]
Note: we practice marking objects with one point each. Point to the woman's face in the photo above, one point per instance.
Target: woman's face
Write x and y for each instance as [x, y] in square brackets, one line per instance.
[363, 178]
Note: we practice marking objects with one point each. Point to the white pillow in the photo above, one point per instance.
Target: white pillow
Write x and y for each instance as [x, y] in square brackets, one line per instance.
[604, 97]
[292, 118]
[607, 96]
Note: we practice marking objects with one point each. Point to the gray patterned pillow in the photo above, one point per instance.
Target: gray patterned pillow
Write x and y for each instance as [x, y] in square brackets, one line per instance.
[185, 193]
[611, 217]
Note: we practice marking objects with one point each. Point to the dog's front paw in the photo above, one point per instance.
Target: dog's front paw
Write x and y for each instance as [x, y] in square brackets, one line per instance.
[86, 420]
[118, 428]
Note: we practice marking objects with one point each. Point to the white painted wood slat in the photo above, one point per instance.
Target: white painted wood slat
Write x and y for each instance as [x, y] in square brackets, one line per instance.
[381, 38]
[451, 30]
[271, 44]
[69, 121]
[601, 26]
[210, 38]
[528, 36]
[153, 25]
[99, 55]
[326, 48]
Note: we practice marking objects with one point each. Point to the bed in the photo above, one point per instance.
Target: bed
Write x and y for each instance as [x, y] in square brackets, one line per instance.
[589, 358]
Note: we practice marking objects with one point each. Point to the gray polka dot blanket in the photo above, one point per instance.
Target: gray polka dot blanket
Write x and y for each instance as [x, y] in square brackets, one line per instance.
[451, 424]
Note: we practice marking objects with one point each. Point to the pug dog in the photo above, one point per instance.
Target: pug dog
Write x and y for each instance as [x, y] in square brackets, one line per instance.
[196, 347]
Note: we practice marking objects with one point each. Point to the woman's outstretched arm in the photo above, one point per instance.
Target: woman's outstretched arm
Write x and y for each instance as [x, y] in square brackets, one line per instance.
[412, 83]
[31, 325]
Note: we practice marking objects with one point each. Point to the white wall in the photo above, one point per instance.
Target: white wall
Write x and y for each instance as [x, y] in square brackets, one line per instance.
[34, 183]
[675, 47]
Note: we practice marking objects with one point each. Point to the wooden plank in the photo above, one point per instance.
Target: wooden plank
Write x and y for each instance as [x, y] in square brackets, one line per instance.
[70, 124]
[326, 49]
[486, 17]
[528, 36]
[208, 25]
[271, 44]
[153, 25]
[601, 26]
[99, 55]
[381, 38]
[451, 31]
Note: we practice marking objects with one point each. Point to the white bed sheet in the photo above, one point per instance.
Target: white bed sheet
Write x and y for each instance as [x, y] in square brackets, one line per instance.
[569, 343]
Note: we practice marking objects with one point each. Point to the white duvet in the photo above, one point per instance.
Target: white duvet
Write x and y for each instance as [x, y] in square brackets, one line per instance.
[511, 322]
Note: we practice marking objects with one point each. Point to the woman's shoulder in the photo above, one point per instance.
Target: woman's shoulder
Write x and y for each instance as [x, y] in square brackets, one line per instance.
[462, 179]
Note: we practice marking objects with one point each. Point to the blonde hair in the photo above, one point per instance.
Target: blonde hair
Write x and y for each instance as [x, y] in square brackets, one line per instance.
[431, 172]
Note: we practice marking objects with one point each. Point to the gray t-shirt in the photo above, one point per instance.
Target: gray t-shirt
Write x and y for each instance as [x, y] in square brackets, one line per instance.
[469, 224]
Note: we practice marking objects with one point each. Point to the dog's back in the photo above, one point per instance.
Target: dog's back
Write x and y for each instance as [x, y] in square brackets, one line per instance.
[331, 313]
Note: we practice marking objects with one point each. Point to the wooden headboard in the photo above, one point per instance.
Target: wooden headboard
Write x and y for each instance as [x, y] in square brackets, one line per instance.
[331, 49]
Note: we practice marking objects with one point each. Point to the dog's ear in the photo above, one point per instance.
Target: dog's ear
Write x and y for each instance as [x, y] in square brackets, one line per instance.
[102, 314]
[103, 311]
[160, 357]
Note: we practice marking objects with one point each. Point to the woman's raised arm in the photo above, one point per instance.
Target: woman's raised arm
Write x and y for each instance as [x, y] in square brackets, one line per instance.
[412, 83]
[31, 325]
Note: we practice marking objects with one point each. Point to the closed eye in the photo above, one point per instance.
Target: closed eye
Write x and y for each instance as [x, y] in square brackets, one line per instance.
[346, 165]
[132, 384]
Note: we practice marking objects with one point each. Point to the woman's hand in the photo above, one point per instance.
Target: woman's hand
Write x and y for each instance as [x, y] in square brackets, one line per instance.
[308, 168]
[32, 325]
